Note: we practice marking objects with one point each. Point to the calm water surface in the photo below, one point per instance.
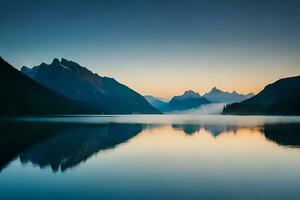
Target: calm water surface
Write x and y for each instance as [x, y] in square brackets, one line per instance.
[150, 157]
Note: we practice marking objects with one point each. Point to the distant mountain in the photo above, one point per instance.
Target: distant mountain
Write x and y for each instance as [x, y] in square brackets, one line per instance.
[155, 101]
[249, 95]
[218, 96]
[186, 101]
[188, 94]
[20, 95]
[78, 83]
[279, 98]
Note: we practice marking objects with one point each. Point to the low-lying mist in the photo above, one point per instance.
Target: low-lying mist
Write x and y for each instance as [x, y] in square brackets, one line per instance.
[207, 109]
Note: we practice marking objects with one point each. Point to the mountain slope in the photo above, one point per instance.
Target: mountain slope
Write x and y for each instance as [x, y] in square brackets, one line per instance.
[78, 83]
[155, 102]
[279, 98]
[218, 96]
[186, 101]
[20, 95]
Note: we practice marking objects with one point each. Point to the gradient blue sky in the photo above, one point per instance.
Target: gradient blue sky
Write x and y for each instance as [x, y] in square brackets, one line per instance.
[159, 47]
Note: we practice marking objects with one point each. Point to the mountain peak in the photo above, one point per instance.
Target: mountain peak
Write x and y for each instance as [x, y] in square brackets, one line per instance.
[34, 98]
[55, 61]
[64, 60]
[191, 93]
[215, 89]
[69, 62]
[187, 95]
[25, 69]
[218, 96]
[189, 100]
[80, 84]
[249, 95]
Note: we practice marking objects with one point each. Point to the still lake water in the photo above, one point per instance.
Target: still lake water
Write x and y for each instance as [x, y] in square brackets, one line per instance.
[150, 157]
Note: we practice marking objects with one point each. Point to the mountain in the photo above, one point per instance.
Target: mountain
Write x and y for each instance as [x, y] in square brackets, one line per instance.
[78, 83]
[186, 101]
[188, 94]
[20, 95]
[279, 98]
[249, 95]
[156, 102]
[218, 96]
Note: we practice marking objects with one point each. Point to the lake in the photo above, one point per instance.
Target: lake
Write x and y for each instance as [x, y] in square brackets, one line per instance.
[150, 157]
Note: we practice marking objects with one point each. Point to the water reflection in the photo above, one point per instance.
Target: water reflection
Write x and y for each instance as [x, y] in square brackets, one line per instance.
[283, 134]
[214, 129]
[16, 137]
[64, 145]
[58, 145]
[189, 129]
[73, 145]
[197, 159]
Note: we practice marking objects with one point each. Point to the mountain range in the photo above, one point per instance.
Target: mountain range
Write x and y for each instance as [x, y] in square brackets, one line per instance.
[188, 100]
[219, 96]
[78, 83]
[20, 95]
[279, 98]
[65, 87]
[191, 99]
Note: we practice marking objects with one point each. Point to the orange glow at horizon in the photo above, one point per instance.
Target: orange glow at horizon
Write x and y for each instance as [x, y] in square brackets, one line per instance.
[168, 89]
[168, 78]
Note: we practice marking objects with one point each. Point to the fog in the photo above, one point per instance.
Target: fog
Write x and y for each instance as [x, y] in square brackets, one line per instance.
[208, 109]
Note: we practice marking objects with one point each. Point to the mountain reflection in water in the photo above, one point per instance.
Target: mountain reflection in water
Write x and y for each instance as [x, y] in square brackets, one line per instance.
[65, 145]
[73, 145]
[60, 145]
[214, 129]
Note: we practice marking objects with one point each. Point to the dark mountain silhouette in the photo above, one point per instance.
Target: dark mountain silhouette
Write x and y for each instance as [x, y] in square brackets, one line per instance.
[188, 100]
[218, 96]
[155, 102]
[279, 98]
[20, 95]
[78, 83]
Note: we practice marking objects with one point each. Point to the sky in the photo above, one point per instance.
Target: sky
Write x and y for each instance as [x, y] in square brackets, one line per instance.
[159, 47]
